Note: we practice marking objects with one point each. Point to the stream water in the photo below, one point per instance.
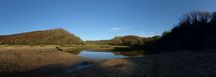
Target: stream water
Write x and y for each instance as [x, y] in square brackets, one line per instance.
[100, 55]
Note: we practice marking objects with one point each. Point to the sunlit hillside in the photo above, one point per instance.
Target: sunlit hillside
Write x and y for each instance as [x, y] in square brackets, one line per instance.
[45, 37]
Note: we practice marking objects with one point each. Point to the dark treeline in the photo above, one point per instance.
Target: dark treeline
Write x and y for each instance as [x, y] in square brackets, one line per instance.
[196, 30]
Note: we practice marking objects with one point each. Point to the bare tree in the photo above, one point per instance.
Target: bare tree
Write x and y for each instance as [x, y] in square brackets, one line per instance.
[196, 17]
[213, 20]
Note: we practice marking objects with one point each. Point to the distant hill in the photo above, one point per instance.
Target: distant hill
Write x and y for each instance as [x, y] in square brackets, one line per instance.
[46, 37]
[129, 40]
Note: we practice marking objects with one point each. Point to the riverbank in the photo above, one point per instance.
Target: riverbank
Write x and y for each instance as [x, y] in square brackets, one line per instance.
[49, 62]
[170, 64]
[95, 47]
[39, 60]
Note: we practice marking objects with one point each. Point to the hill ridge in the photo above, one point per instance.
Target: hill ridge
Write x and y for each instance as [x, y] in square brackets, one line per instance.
[57, 36]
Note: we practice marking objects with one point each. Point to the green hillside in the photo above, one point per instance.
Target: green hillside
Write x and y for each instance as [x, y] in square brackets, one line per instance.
[46, 37]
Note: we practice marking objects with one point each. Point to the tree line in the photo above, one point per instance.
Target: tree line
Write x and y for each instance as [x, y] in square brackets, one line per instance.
[195, 31]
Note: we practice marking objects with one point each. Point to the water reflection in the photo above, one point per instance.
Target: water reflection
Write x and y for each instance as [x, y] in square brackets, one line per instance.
[130, 53]
[108, 54]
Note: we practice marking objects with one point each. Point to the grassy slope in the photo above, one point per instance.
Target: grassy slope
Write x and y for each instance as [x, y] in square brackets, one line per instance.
[46, 37]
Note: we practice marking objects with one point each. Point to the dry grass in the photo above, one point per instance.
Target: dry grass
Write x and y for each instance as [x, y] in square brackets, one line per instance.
[25, 59]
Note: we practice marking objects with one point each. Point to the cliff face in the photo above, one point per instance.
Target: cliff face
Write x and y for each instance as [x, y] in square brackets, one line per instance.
[45, 37]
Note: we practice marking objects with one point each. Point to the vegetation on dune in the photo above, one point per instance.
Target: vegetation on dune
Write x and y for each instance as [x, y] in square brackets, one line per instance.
[196, 30]
[46, 37]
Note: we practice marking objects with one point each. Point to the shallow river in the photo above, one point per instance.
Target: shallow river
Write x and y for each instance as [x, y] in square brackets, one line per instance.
[109, 54]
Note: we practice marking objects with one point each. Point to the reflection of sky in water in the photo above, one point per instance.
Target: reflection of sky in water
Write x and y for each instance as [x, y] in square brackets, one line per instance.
[100, 55]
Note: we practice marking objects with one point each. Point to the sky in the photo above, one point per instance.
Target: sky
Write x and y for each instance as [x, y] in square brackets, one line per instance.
[97, 19]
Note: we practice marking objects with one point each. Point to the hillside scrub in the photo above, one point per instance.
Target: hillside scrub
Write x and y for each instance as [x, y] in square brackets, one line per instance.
[129, 40]
[46, 37]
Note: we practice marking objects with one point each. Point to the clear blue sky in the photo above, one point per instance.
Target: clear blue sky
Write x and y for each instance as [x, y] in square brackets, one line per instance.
[97, 19]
